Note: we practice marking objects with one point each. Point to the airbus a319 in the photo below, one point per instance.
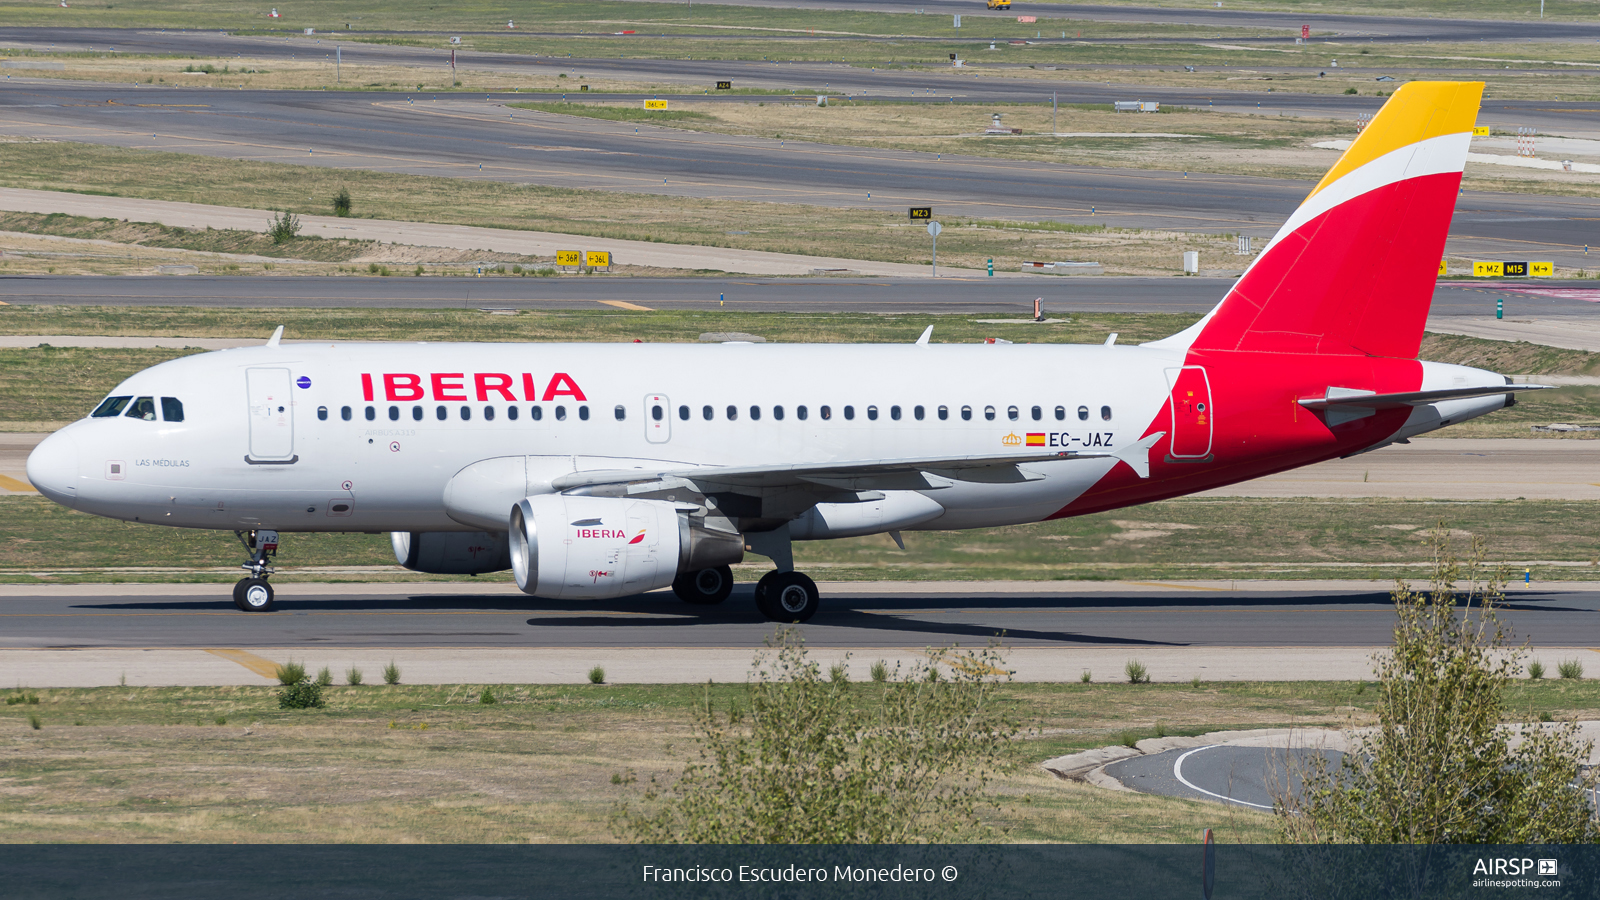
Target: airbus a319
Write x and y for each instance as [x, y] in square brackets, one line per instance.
[595, 471]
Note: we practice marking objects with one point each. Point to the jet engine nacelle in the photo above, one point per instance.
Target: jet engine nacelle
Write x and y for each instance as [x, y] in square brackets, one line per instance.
[451, 552]
[595, 548]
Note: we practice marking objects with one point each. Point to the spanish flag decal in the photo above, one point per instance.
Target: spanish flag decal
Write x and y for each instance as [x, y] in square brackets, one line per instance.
[1035, 439]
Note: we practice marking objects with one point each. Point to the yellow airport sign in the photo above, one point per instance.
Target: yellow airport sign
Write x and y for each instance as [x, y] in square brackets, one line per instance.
[1480, 131]
[1485, 269]
[1442, 270]
[597, 259]
[1541, 269]
[569, 257]
[655, 104]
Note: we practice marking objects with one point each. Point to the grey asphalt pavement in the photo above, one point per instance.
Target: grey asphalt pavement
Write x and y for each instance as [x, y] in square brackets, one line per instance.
[1252, 777]
[1136, 619]
[899, 295]
[478, 139]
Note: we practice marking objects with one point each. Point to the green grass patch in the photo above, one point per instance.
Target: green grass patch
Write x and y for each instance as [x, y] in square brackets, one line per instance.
[1189, 538]
[621, 113]
[153, 234]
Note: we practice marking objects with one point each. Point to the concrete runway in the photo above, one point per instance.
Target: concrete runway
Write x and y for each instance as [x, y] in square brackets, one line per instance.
[60, 635]
[454, 136]
[944, 295]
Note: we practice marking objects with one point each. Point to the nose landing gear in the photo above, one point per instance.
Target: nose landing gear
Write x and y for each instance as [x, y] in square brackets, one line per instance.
[253, 593]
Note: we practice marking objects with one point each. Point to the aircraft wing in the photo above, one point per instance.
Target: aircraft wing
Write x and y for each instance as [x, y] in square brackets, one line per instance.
[1349, 397]
[915, 473]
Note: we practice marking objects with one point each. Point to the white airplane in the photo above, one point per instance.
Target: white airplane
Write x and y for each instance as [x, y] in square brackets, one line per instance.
[595, 471]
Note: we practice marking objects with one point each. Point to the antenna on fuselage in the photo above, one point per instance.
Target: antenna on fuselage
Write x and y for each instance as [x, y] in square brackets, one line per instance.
[926, 333]
[276, 337]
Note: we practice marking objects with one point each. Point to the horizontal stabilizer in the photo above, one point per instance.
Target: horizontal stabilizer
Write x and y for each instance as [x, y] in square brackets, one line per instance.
[1347, 397]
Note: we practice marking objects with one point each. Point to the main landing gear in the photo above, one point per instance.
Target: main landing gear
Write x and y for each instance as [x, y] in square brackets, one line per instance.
[787, 596]
[253, 593]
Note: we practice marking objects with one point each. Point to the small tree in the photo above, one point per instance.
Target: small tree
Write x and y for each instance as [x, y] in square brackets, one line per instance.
[283, 226]
[1440, 768]
[817, 760]
[341, 203]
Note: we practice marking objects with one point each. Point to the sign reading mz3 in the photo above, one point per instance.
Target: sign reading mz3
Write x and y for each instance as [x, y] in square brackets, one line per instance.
[921, 212]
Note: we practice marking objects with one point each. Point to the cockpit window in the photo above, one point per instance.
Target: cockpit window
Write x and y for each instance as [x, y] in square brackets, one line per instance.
[110, 406]
[171, 409]
[143, 408]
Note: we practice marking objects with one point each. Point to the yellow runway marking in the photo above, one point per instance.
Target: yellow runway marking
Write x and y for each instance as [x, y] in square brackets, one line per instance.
[623, 304]
[266, 668]
[12, 484]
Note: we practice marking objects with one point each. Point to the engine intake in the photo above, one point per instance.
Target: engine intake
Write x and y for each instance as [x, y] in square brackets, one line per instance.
[451, 552]
[595, 548]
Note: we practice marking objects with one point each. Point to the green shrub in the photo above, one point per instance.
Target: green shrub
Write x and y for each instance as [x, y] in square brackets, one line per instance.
[880, 671]
[35, 723]
[30, 699]
[291, 672]
[838, 673]
[597, 675]
[391, 673]
[341, 203]
[487, 697]
[1085, 677]
[353, 675]
[324, 677]
[305, 695]
[1350, 90]
[283, 226]
[221, 720]
[1536, 670]
[1136, 672]
[1570, 668]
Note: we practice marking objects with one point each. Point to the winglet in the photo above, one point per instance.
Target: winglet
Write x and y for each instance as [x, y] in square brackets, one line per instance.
[276, 337]
[1137, 454]
[926, 333]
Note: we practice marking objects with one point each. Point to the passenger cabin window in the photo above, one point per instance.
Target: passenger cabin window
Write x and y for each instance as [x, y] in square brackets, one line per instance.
[143, 408]
[777, 413]
[872, 413]
[466, 413]
[755, 413]
[511, 413]
[1011, 413]
[1061, 414]
[372, 413]
[394, 413]
[441, 413]
[561, 414]
[344, 413]
[825, 411]
[536, 412]
[733, 413]
[322, 413]
[109, 407]
[918, 412]
[416, 414]
[683, 413]
[800, 412]
[966, 413]
[488, 414]
[1037, 413]
[944, 413]
[172, 410]
[894, 413]
[988, 413]
[850, 412]
[583, 413]
[1083, 414]
[707, 413]
[1105, 413]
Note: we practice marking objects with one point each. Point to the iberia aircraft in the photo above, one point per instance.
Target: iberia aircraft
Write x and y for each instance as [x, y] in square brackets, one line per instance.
[600, 471]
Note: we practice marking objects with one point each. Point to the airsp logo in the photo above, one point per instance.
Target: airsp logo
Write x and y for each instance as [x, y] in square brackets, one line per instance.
[1547, 867]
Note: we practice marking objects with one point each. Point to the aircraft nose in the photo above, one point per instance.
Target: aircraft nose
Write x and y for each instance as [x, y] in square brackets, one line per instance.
[53, 468]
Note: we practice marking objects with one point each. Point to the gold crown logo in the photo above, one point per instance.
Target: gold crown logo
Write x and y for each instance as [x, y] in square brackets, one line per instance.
[1011, 440]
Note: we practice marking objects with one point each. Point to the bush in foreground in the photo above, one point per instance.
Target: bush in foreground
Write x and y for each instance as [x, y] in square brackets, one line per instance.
[1440, 768]
[814, 760]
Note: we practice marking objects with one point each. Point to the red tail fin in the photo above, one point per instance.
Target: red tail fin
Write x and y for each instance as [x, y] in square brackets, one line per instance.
[1353, 270]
